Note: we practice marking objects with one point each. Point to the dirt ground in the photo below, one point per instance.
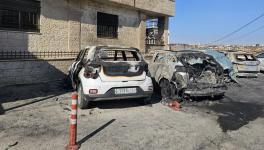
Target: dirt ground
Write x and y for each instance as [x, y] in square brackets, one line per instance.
[36, 117]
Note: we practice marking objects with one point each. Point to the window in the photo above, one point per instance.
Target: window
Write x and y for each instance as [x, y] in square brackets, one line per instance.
[107, 25]
[260, 55]
[19, 15]
[118, 55]
[245, 57]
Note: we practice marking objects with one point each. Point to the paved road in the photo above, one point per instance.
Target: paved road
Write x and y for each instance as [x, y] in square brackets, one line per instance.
[36, 117]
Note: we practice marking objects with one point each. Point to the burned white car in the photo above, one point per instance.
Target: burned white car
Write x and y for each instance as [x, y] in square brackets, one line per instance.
[185, 74]
[245, 64]
[109, 73]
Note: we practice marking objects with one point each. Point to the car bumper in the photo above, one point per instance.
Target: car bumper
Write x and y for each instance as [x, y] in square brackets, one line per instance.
[209, 91]
[247, 74]
[110, 95]
[106, 90]
[204, 92]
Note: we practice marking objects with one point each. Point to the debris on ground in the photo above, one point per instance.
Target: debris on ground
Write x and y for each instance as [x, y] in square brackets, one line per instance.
[175, 105]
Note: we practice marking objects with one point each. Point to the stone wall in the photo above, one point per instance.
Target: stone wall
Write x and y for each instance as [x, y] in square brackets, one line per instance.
[26, 72]
[128, 31]
[165, 7]
[68, 25]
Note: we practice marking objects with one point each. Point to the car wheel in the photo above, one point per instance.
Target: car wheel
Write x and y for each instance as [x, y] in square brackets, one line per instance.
[165, 89]
[82, 101]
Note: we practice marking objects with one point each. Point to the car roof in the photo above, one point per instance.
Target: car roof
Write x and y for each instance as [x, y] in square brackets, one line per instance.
[260, 53]
[179, 51]
[241, 52]
[113, 47]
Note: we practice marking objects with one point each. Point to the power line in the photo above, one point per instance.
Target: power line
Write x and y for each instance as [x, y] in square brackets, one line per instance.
[249, 33]
[239, 29]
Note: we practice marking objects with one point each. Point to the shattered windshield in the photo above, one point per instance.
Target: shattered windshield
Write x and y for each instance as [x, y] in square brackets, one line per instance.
[195, 58]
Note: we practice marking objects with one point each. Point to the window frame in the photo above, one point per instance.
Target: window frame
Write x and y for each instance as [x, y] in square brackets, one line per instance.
[260, 55]
[157, 58]
[26, 11]
[101, 17]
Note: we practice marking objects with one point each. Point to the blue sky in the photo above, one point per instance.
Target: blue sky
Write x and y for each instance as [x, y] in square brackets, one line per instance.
[204, 21]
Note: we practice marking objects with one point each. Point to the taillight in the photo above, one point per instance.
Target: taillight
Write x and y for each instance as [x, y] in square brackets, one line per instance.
[150, 88]
[90, 73]
[93, 91]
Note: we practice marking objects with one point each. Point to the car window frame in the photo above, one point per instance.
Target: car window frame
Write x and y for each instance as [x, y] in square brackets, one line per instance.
[260, 55]
[156, 56]
[135, 54]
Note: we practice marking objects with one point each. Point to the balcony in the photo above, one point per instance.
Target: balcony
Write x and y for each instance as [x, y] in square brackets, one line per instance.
[155, 42]
[164, 7]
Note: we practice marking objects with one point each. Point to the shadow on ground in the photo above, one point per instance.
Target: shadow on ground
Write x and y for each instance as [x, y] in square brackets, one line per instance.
[36, 92]
[83, 140]
[126, 103]
[234, 115]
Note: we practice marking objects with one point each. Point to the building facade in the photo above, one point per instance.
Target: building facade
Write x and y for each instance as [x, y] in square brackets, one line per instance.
[39, 39]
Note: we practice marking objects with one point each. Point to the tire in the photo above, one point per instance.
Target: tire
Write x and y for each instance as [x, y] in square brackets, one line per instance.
[148, 100]
[83, 103]
[165, 88]
[173, 91]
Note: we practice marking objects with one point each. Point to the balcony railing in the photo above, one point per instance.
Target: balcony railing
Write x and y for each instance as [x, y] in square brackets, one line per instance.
[155, 42]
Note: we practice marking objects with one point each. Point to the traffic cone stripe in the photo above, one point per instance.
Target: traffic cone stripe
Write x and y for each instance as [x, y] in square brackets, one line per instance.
[74, 106]
[74, 96]
[73, 117]
[72, 126]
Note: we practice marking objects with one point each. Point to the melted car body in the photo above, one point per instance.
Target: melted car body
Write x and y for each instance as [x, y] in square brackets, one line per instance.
[187, 73]
[224, 61]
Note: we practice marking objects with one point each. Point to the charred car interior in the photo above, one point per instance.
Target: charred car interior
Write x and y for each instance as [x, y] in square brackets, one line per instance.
[185, 74]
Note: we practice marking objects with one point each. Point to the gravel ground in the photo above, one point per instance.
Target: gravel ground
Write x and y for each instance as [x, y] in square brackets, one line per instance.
[36, 117]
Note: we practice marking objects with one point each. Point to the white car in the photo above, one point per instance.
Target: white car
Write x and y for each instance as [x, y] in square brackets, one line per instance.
[245, 64]
[110, 73]
[260, 57]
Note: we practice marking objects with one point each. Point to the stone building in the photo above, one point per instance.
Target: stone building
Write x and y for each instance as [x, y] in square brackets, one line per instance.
[39, 39]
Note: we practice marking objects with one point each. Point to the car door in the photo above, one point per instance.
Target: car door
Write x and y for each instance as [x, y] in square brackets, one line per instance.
[157, 65]
[77, 64]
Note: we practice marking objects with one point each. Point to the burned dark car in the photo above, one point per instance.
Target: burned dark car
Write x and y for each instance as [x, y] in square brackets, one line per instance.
[185, 74]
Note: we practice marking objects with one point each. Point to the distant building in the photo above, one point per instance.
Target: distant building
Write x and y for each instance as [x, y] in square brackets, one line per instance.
[38, 39]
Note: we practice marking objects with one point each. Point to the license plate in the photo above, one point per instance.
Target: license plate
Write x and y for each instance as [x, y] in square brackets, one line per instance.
[125, 91]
